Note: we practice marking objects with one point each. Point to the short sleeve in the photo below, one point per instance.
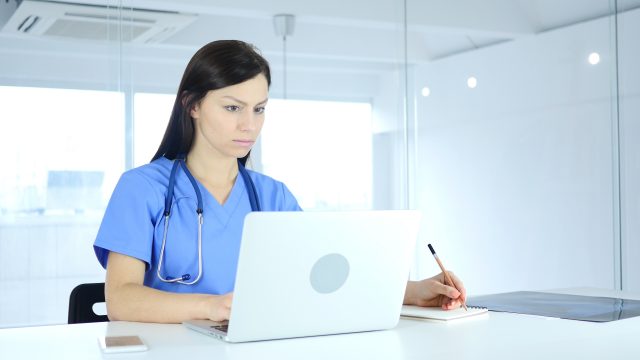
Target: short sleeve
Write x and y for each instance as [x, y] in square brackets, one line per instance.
[290, 203]
[129, 220]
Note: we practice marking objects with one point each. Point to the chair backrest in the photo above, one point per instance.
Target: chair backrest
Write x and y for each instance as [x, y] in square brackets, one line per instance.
[81, 302]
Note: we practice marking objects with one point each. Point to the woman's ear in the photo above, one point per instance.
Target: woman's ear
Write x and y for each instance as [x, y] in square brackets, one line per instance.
[185, 99]
[195, 111]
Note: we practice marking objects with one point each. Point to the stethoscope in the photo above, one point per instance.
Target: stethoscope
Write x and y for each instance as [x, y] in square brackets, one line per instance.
[179, 162]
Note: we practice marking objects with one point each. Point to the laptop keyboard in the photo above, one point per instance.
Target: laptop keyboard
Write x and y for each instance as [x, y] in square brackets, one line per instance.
[223, 328]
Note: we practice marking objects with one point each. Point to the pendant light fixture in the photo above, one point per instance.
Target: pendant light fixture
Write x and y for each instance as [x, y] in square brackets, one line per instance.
[283, 25]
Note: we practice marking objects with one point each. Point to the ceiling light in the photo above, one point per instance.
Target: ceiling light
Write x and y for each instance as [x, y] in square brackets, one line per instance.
[594, 58]
[284, 24]
[425, 91]
[472, 82]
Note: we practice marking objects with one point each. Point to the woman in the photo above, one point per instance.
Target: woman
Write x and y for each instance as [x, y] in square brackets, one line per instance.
[153, 223]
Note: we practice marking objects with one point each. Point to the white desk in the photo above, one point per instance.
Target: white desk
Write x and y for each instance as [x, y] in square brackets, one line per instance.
[496, 336]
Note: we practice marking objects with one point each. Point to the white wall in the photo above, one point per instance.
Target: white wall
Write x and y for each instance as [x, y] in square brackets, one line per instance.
[516, 177]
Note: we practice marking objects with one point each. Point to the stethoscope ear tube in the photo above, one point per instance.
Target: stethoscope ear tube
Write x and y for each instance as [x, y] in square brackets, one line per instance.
[251, 188]
[194, 184]
[169, 198]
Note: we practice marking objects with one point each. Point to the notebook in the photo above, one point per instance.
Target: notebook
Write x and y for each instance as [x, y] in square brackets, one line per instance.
[318, 273]
[436, 313]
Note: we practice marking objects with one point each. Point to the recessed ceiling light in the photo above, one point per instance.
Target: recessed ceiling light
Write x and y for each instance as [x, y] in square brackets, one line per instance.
[426, 91]
[472, 82]
[594, 58]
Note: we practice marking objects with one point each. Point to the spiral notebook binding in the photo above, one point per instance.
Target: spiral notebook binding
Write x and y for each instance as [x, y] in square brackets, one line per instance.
[437, 313]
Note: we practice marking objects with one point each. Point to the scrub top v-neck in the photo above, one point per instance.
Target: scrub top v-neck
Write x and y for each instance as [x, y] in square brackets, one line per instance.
[133, 225]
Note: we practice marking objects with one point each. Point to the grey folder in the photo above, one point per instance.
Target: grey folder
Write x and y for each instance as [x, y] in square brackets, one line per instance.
[574, 307]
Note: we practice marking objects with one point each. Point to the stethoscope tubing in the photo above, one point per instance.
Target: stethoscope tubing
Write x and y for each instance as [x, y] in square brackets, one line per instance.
[179, 162]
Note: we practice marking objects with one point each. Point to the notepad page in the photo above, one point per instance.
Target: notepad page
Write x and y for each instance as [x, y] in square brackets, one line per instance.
[437, 313]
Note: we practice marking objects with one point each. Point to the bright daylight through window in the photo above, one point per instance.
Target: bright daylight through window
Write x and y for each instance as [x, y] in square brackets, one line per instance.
[299, 138]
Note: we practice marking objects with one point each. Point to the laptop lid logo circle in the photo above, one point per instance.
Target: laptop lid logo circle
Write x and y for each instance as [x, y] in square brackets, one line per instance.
[329, 273]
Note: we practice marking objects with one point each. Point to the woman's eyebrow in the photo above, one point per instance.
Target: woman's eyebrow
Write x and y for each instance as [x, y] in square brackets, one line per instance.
[235, 99]
[242, 102]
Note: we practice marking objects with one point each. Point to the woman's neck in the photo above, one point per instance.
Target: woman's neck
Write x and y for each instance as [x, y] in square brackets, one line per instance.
[212, 170]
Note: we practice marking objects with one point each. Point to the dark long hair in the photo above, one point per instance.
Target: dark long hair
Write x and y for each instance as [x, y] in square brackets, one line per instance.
[216, 65]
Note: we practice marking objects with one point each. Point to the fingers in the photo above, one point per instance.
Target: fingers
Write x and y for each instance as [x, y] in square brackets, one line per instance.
[453, 289]
[459, 285]
[451, 304]
[446, 290]
[436, 291]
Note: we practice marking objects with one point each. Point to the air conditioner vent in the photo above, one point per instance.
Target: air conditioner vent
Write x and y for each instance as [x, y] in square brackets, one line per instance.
[28, 23]
[94, 30]
[91, 22]
[107, 18]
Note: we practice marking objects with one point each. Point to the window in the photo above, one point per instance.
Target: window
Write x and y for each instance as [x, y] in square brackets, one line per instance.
[321, 150]
[63, 151]
[150, 119]
[62, 148]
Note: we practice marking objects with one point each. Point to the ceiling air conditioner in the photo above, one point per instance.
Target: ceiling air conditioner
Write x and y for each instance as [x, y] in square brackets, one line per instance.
[95, 22]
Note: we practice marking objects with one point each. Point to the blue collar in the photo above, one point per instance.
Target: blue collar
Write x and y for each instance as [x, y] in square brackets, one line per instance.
[179, 162]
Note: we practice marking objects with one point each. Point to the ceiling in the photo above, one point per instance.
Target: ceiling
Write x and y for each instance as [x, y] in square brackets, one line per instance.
[356, 36]
[352, 29]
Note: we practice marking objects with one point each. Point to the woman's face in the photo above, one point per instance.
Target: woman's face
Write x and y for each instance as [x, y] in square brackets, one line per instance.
[228, 121]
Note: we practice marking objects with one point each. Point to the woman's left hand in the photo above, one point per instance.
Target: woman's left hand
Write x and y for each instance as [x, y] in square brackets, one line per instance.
[434, 292]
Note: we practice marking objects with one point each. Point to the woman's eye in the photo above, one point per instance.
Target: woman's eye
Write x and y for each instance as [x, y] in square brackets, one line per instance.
[232, 108]
[259, 110]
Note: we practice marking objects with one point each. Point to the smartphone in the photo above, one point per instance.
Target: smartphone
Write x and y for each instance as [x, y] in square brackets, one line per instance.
[118, 344]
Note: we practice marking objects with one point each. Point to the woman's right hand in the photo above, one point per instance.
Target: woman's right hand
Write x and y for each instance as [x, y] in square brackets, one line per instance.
[129, 299]
[220, 307]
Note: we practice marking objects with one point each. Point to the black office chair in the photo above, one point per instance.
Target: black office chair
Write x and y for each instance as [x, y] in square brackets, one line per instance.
[81, 302]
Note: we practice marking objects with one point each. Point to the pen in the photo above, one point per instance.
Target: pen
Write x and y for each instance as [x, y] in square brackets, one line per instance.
[447, 278]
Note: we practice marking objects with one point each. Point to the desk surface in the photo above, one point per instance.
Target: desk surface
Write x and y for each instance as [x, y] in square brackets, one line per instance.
[495, 336]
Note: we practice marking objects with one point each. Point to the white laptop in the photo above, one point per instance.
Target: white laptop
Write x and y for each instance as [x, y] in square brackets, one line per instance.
[318, 273]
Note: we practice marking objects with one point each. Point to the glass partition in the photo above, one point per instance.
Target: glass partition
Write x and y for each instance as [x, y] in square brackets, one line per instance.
[87, 90]
[628, 74]
[517, 140]
[63, 136]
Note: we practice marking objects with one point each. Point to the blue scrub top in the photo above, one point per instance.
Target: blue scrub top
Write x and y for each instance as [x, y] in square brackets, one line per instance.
[133, 225]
